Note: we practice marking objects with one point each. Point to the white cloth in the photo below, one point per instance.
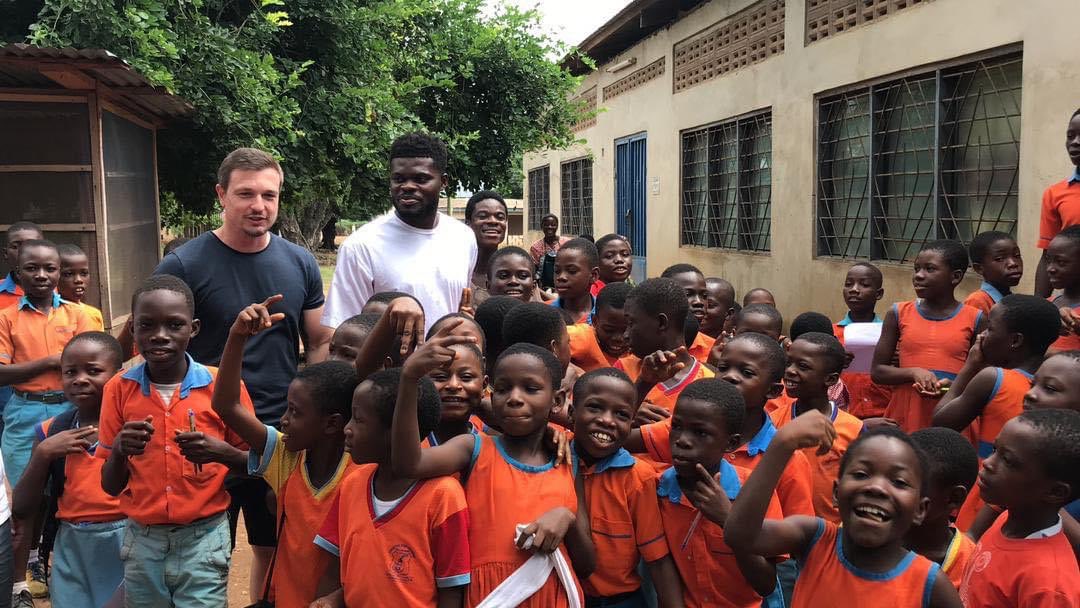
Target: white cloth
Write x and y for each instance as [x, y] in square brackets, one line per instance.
[387, 254]
[382, 507]
[530, 577]
[5, 506]
[165, 391]
[860, 339]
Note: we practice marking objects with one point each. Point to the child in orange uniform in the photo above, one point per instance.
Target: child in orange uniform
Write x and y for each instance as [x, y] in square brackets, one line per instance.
[461, 388]
[602, 343]
[933, 335]
[401, 541]
[1024, 559]
[656, 313]
[304, 462]
[814, 364]
[17, 233]
[510, 479]
[576, 269]
[616, 259]
[696, 495]
[953, 466]
[881, 493]
[89, 526]
[862, 291]
[74, 277]
[542, 325]
[995, 257]
[697, 294]
[620, 492]
[170, 478]
[1063, 269]
[718, 306]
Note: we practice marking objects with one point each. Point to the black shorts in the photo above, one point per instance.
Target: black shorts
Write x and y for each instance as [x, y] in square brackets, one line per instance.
[252, 495]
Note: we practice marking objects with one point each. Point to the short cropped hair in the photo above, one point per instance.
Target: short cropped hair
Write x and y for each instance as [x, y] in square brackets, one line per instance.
[875, 272]
[675, 269]
[24, 226]
[102, 339]
[490, 316]
[330, 385]
[1037, 319]
[891, 432]
[549, 216]
[544, 356]
[982, 242]
[533, 322]
[503, 252]
[764, 310]
[585, 380]
[69, 250]
[656, 296]
[246, 159]
[951, 251]
[164, 282]
[613, 296]
[483, 195]
[834, 354]
[746, 297]
[1059, 444]
[723, 284]
[1071, 233]
[952, 459]
[365, 320]
[610, 238]
[450, 317]
[720, 394]
[33, 243]
[808, 322]
[774, 353]
[385, 385]
[385, 297]
[420, 145]
[586, 247]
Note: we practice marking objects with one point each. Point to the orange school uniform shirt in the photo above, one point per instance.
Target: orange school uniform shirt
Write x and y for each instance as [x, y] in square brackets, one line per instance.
[666, 394]
[97, 322]
[163, 486]
[826, 468]
[706, 564]
[795, 489]
[403, 557]
[984, 298]
[620, 492]
[10, 291]
[83, 500]
[1060, 208]
[501, 493]
[1035, 572]
[585, 351]
[957, 557]
[300, 563]
[827, 578]
[28, 334]
[866, 398]
[1070, 341]
[701, 347]
[938, 345]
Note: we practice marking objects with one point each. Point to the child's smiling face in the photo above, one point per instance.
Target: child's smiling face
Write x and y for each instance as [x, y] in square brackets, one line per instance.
[879, 491]
[512, 275]
[1063, 263]
[807, 375]
[522, 395]
[602, 416]
[460, 386]
[616, 261]
[1056, 385]
[746, 365]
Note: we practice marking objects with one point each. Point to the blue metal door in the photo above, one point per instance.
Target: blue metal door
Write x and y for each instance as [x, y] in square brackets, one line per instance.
[630, 198]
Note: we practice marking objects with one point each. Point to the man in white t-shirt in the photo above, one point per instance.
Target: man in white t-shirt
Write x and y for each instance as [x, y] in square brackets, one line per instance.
[414, 249]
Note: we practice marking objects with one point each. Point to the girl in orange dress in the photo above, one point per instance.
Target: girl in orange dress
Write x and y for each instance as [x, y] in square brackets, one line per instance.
[510, 479]
[933, 335]
[1063, 269]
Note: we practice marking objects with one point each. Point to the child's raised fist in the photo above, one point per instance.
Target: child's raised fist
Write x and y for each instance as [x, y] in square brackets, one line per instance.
[806, 431]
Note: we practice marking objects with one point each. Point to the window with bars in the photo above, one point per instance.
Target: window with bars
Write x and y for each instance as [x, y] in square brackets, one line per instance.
[925, 157]
[576, 201]
[727, 184]
[539, 201]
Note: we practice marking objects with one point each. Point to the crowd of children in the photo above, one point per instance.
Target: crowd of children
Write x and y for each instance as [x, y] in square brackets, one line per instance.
[621, 446]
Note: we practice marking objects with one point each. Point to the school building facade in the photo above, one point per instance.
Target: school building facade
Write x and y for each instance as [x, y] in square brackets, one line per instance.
[775, 142]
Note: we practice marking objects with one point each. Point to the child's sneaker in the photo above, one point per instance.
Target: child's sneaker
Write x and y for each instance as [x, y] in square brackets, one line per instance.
[37, 579]
[23, 599]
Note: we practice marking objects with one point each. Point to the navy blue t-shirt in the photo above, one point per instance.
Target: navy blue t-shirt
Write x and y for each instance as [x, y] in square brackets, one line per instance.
[224, 282]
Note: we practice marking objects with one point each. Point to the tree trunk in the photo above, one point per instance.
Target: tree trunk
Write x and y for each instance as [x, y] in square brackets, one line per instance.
[304, 225]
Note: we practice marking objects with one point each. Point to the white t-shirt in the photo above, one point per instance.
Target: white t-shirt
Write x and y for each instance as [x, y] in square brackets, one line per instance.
[387, 254]
[5, 507]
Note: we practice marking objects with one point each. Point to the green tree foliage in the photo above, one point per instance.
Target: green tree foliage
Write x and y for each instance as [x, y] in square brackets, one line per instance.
[326, 85]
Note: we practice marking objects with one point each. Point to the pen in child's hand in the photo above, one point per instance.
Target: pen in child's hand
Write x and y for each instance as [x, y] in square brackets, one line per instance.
[191, 424]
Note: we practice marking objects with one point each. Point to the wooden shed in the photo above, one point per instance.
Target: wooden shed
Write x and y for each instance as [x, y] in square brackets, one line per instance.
[78, 141]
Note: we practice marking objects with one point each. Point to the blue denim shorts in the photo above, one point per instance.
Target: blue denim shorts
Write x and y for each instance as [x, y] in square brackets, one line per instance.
[87, 570]
[166, 566]
[20, 418]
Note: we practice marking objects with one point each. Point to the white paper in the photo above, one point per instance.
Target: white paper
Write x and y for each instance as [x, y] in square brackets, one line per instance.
[860, 339]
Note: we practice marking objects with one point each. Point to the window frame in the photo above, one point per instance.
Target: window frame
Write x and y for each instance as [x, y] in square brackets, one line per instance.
[569, 216]
[537, 210]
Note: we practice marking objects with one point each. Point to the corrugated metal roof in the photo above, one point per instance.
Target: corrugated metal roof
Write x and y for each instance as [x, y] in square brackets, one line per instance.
[20, 67]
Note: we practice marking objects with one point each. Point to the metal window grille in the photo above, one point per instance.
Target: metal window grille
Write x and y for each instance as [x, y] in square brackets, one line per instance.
[925, 157]
[539, 201]
[576, 201]
[727, 184]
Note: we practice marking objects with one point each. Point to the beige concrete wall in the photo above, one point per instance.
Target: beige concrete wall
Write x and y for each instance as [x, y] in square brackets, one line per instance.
[938, 31]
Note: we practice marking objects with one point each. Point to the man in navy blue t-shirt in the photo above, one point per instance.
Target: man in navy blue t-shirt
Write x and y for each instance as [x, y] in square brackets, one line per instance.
[230, 268]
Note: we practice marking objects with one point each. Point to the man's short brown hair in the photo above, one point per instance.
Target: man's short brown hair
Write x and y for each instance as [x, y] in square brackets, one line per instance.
[246, 159]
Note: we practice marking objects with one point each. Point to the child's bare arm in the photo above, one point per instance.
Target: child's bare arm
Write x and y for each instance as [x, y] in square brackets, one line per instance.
[14, 373]
[451, 597]
[330, 582]
[758, 571]
[666, 579]
[746, 529]
[579, 539]
[966, 399]
[985, 518]
[634, 443]
[226, 398]
[943, 594]
[403, 318]
[407, 459]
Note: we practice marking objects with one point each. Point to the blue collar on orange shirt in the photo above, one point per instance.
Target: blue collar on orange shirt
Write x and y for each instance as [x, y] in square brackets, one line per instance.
[1075, 177]
[668, 485]
[557, 303]
[197, 377]
[24, 302]
[619, 460]
[847, 320]
[994, 293]
[8, 285]
[764, 436]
